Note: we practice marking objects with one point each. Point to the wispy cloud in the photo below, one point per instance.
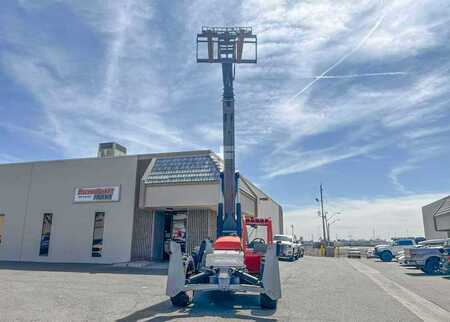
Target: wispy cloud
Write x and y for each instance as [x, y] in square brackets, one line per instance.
[418, 152]
[7, 158]
[128, 102]
[334, 81]
[359, 75]
[343, 58]
[377, 81]
[300, 161]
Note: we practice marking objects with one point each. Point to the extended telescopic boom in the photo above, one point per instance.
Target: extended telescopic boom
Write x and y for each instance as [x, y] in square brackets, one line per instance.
[227, 46]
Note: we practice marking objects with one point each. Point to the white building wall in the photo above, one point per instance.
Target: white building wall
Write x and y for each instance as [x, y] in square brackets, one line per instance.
[269, 209]
[266, 207]
[14, 183]
[181, 195]
[29, 190]
[41, 187]
[428, 223]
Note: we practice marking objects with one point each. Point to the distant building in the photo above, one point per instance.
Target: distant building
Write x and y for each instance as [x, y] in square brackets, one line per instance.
[117, 207]
[436, 219]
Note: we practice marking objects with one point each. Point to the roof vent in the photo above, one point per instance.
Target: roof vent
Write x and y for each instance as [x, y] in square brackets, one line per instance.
[110, 150]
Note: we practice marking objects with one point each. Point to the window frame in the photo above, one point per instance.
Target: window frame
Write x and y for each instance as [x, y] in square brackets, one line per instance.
[98, 251]
[50, 224]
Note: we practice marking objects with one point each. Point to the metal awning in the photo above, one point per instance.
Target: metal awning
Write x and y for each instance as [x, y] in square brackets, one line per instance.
[186, 169]
[442, 216]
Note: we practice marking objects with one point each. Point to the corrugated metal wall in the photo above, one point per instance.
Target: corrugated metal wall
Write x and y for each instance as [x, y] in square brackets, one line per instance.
[142, 235]
[212, 225]
[248, 204]
[158, 235]
[142, 239]
[197, 227]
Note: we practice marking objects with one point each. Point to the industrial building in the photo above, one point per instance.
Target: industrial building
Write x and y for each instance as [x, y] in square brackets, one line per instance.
[436, 219]
[116, 207]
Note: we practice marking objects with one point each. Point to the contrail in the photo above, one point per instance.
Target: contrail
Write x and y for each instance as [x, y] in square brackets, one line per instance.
[369, 34]
[357, 75]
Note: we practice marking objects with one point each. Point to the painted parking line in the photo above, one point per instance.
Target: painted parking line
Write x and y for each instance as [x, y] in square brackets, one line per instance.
[424, 309]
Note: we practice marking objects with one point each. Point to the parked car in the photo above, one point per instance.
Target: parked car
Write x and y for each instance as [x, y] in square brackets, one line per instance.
[354, 253]
[371, 252]
[301, 249]
[427, 256]
[387, 252]
[404, 261]
[288, 248]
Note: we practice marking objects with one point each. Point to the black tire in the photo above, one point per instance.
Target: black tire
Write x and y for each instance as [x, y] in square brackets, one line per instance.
[292, 258]
[266, 302]
[386, 256]
[182, 299]
[432, 266]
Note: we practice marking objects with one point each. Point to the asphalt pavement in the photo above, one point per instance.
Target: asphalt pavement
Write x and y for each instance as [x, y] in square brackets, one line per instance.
[314, 289]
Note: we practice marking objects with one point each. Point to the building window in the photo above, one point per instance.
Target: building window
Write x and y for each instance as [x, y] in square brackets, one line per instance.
[97, 239]
[2, 224]
[45, 235]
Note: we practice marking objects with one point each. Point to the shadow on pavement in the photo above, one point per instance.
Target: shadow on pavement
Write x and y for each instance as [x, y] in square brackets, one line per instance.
[206, 304]
[78, 268]
[420, 274]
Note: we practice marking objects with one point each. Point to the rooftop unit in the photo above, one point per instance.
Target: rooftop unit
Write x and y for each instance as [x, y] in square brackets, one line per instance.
[110, 150]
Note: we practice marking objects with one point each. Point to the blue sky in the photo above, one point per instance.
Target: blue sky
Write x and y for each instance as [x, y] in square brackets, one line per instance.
[352, 94]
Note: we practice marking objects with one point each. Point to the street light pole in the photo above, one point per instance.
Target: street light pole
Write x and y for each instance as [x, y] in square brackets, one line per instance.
[329, 224]
[323, 214]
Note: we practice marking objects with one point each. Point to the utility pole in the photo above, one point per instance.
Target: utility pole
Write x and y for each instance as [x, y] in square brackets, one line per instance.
[292, 229]
[323, 214]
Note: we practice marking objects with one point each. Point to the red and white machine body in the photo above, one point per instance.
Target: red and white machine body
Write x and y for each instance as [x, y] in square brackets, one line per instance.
[231, 263]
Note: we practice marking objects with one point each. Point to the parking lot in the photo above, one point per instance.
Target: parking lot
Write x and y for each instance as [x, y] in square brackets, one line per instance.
[314, 289]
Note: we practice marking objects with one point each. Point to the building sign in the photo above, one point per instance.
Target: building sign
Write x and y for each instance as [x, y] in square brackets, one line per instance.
[97, 194]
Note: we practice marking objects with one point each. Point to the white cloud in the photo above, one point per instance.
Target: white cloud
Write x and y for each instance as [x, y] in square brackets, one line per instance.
[8, 158]
[301, 40]
[127, 96]
[418, 153]
[126, 106]
[409, 27]
[425, 132]
[388, 217]
[300, 161]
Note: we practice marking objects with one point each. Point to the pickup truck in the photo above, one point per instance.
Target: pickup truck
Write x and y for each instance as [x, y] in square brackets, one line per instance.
[387, 252]
[427, 256]
[445, 263]
[289, 249]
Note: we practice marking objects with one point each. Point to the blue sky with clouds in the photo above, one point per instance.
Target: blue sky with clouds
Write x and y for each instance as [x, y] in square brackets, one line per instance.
[354, 94]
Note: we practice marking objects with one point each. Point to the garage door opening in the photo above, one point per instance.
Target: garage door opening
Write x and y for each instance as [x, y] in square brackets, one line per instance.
[2, 224]
[174, 229]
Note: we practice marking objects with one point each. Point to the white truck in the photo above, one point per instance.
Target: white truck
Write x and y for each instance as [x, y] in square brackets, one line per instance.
[387, 252]
[289, 249]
